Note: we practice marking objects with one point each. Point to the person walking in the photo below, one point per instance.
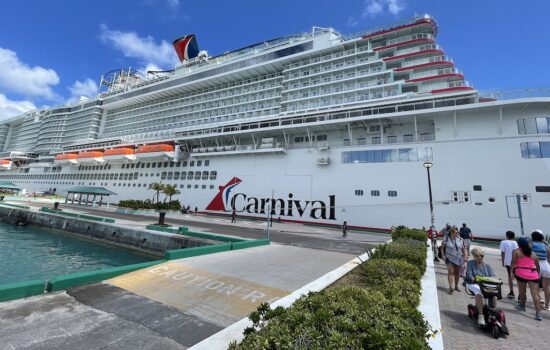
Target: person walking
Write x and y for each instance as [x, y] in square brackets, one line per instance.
[543, 252]
[345, 229]
[507, 247]
[525, 267]
[454, 254]
[466, 235]
[233, 216]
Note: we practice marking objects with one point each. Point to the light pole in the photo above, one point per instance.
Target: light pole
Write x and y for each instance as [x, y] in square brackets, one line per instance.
[428, 165]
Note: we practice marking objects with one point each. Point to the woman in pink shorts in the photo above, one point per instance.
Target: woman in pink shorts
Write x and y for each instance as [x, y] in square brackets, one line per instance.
[525, 267]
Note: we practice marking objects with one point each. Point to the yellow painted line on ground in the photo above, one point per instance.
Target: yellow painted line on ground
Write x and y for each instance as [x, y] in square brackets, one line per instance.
[218, 298]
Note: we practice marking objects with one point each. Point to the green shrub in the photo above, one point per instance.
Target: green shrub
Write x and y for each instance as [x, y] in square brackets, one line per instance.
[415, 255]
[381, 315]
[405, 232]
[137, 204]
[341, 318]
[380, 269]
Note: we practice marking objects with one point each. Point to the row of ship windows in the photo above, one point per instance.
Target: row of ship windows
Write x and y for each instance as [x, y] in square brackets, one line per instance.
[195, 97]
[234, 105]
[376, 193]
[388, 155]
[535, 149]
[176, 175]
[148, 165]
[534, 126]
[122, 184]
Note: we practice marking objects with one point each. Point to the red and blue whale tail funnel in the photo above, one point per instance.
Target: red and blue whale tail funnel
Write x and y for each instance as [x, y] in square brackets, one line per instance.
[186, 47]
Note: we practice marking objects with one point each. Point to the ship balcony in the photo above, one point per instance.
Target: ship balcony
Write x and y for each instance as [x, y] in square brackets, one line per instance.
[444, 87]
[426, 62]
[445, 73]
[404, 40]
[417, 48]
[275, 147]
[417, 54]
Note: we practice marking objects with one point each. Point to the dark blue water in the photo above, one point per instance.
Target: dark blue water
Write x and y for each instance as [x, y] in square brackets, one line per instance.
[30, 252]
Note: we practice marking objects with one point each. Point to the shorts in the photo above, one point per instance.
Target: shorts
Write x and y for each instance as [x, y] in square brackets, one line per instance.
[448, 262]
[544, 269]
[521, 279]
[508, 269]
[474, 288]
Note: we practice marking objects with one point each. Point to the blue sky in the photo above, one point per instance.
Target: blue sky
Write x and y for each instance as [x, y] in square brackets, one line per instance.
[52, 52]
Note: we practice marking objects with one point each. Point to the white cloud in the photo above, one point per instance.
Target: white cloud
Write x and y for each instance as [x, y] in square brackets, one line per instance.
[18, 77]
[372, 8]
[87, 88]
[352, 22]
[173, 4]
[395, 6]
[10, 108]
[144, 49]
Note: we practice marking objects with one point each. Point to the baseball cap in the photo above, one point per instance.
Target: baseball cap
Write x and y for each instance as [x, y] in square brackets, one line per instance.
[539, 231]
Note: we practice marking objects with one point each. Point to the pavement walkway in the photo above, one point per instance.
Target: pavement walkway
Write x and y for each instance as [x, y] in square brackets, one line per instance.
[460, 332]
[177, 304]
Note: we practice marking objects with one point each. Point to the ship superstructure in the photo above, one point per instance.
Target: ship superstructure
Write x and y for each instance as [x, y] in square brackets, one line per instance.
[321, 126]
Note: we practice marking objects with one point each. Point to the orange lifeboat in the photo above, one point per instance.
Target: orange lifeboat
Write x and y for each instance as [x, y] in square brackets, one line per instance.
[66, 158]
[5, 164]
[163, 151]
[163, 147]
[119, 154]
[119, 151]
[90, 157]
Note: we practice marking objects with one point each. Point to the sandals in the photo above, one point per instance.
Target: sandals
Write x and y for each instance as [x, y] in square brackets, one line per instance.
[458, 290]
[451, 291]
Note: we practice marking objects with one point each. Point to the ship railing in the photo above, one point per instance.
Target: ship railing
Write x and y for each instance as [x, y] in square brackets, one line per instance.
[403, 39]
[513, 94]
[384, 27]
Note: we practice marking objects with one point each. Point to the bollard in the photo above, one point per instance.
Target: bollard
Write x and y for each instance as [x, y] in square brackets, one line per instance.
[56, 206]
[162, 215]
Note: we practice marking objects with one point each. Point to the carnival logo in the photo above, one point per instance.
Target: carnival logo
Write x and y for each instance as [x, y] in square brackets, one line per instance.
[289, 206]
[220, 201]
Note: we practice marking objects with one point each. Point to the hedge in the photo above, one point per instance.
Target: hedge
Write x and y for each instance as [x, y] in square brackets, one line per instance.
[147, 204]
[413, 254]
[394, 278]
[381, 313]
[346, 317]
[405, 232]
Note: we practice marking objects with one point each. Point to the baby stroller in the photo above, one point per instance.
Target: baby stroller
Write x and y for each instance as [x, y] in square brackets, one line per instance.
[495, 320]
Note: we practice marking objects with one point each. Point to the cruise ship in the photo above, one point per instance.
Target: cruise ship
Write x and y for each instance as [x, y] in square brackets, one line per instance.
[317, 127]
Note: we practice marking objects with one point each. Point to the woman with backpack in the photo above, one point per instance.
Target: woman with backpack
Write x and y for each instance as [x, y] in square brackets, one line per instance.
[525, 269]
[454, 254]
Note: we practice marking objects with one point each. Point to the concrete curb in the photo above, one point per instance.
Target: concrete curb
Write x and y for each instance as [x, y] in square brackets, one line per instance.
[18, 290]
[234, 332]
[429, 303]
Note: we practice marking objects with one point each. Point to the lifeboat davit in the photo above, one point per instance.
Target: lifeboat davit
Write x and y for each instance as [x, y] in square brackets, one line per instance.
[158, 151]
[66, 158]
[90, 157]
[122, 154]
[5, 164]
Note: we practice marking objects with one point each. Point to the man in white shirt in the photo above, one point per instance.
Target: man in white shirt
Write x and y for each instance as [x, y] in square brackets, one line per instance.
[507, 246]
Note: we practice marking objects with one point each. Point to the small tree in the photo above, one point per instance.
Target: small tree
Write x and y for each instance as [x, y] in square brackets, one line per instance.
[170, 190]
[157, 187]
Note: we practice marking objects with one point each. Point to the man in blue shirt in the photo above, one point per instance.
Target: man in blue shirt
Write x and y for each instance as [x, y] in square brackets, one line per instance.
[466, 235]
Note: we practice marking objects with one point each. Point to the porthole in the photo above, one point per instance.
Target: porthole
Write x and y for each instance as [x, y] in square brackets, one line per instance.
[492, 199]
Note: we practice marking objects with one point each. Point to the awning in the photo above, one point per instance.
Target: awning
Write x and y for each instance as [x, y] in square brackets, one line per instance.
[100, 191]
[9, 186]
